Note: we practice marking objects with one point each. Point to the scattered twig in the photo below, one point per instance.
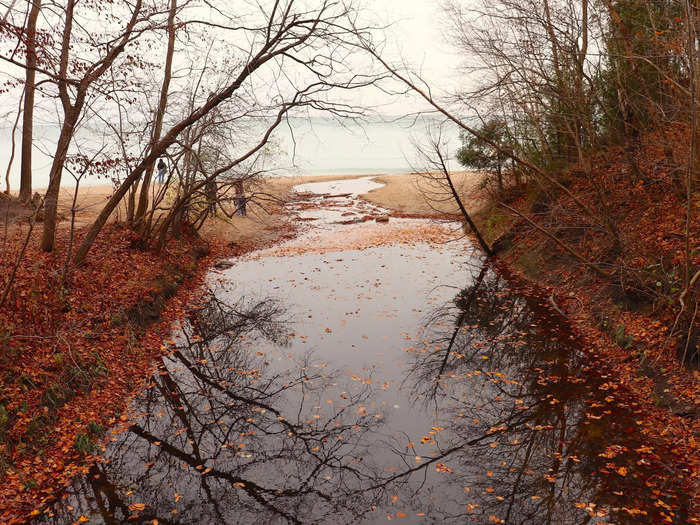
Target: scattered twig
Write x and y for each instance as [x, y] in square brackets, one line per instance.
[555, 306]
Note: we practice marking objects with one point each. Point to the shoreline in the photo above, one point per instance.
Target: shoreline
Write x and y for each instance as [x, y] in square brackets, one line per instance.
[306, 178]
[401, 196]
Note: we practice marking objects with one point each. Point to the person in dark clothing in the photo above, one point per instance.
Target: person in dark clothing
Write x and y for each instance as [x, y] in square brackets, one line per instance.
[162, 170]
[239, 200]
[211, 190]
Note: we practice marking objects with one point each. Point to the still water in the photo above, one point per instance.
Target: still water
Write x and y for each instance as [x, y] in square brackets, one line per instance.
[405, 382]
[306, 146]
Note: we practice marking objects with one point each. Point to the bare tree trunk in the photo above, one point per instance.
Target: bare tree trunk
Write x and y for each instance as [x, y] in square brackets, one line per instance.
[12, 153]
[695, 17]
[25, 186]
[51, 197]
[692, 175]
[467, 217]
[72, 112]
[160, 113]
[70, 118]
[131, 204]
[584, 103]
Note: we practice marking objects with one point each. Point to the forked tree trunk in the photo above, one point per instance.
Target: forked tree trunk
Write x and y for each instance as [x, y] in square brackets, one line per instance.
[72, 112]
[160, 113]
[51, 197]
[70, 119]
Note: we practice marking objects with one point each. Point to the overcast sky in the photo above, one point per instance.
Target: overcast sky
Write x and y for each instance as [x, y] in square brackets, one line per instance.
[416, 35]
[416, 23]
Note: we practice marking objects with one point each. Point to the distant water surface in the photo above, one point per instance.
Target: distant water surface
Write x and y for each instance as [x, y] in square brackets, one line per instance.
[301, 147]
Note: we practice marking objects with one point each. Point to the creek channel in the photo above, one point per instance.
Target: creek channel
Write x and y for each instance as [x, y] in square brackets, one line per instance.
[375, 371]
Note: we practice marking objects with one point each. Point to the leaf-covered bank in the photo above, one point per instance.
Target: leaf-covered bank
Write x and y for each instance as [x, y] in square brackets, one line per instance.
[633, 316]
[73, 351]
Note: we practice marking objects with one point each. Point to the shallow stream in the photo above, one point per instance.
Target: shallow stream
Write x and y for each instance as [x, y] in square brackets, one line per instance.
[387, 375]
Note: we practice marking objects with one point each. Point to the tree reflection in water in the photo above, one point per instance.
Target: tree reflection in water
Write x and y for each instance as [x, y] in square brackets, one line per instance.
[560, 444]
[526, 429]
[233, 439]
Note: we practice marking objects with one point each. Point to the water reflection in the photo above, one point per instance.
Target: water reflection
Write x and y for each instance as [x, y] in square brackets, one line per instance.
[537, 435]
[223, 438]
[240, 426]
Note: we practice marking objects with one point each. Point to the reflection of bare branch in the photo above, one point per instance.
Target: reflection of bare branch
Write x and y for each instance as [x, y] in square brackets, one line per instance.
[241, 437]
[234, 418]
[255, 490]
[516, 400]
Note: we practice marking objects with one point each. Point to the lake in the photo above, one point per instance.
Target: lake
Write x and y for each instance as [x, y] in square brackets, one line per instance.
[314, 146]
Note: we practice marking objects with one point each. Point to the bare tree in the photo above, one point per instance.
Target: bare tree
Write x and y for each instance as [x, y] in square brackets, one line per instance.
[312, 42]
[437, 183]
[159, 114]
[532, 168]
[72, 109]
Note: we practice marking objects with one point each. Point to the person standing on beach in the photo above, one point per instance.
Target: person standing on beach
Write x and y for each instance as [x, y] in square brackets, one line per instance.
[239, 199]
[162, 170]
[211, 191]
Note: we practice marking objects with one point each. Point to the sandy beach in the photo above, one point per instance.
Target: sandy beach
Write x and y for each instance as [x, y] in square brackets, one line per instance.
[401, 193]
[410, 194]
